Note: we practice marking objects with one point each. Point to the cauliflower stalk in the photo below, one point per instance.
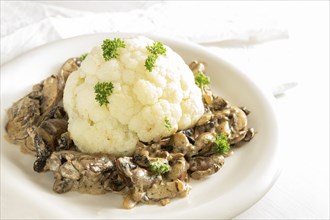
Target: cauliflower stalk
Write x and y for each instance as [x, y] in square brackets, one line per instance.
[145, 104]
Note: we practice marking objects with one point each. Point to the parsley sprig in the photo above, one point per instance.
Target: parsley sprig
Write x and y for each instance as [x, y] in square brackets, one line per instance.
[156, 49]
[222, 145]
[110, 48]
[150, 62]
[201, 80]
[102, 91]
[83, 56]
[167, 123]
[159, 167]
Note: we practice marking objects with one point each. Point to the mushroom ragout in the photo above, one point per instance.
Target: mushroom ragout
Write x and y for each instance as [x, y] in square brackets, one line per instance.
[155, 173]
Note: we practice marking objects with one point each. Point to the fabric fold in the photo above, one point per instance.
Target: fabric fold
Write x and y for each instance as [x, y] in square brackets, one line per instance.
[26, 25]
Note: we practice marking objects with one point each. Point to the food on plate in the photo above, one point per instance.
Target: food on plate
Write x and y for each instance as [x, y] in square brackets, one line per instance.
[128, 117]
[126, 91]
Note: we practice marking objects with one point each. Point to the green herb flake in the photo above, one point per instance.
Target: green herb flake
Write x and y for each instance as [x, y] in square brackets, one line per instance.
[110, 48]
[83, 56]
[222, 145]
[168, 124]
[150, 62]
[159, 167]
[102, 91]
[156, 49]
[201, 80]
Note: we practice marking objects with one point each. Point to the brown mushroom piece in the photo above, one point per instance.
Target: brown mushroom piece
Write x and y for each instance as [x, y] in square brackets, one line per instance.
[181, 144]
[207, 95]
[29, 111]
[136, 178]
[219, 104]
[205, 142]
[190, 134]
[159, 192]
[49, 135]
[64, 142]
[77, 171]
[179, 168]
[57, 112]
[134, 175]
[233, 123]
[141, 155]
[167, 190]
[208, 126]
[22, 115]
[52, 92]
[69, 66]
[205, 119]
[201, 166]
[249, 134]
[112, 181]
[197, 66]
[46, 140]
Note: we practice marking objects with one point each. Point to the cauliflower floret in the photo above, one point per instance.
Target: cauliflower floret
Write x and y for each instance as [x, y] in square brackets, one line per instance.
[146, 92]
[143, 106]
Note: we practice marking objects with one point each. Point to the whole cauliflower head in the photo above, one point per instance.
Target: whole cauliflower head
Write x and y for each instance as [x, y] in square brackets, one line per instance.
[144, 105]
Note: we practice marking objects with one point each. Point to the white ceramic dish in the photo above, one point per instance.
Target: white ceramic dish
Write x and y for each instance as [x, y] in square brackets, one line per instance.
[243, 180]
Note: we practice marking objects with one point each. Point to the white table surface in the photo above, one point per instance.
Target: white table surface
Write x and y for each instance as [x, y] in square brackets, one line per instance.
[302, 190]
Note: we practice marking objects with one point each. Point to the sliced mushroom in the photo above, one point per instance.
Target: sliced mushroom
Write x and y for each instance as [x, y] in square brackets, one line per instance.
[167, 190]
[204, 119]
[64, 142]
[219, 104]
[189, 134]
[141, 155]
[57, 112]
[46, 140]
[201, 166]
[181, 144]
[179, 167]
[112, 181]
[134, 175]
[53, 86]
[249, 134]
[52, 92]
[197, 67]
[204, 142]
[69, 66]
[207, 95]
[77, 171]
[233, 123]
[21, 116]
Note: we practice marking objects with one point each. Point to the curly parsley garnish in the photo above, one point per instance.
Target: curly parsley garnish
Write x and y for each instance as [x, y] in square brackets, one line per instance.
[150, 62]
[156, 49]
[201, 80]
[168, 124]
[110, 48]
[102, 91]
[222, 145]
[83, 56]
[159, 167]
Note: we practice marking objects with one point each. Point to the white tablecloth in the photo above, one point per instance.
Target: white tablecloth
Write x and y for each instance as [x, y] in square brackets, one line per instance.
[274, 42]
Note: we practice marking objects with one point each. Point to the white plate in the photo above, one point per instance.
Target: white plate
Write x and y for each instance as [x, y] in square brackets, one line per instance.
[243, 180]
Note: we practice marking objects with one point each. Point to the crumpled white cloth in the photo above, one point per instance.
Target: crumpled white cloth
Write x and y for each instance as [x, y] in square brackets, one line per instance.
[25, 25]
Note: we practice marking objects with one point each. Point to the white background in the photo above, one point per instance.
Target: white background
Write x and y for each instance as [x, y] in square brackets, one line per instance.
[273, 42]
